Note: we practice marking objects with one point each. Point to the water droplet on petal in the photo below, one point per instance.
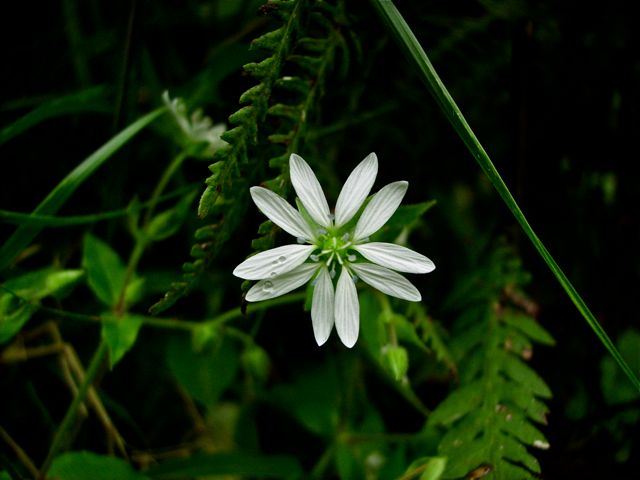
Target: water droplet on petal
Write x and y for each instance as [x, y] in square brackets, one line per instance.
[273, 274]
[282, 259]
[346, 237]
[267, 287]
[301, 240]
[322, 231]
[332, 273]
[332, 217]
[355, 278]
[314, 258]
[351, 258]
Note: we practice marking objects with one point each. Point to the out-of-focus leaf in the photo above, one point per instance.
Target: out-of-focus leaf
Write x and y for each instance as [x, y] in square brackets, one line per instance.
[428, 468]
[120, 333]
[313, 407]
[234, 463]
[168, 222]
[206, 374]
[615, 387]
[19, 301]
[91, 466]
[105, 270]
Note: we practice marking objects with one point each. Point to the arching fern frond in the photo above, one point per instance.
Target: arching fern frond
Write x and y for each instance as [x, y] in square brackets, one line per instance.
[491, 421]
[275, 112]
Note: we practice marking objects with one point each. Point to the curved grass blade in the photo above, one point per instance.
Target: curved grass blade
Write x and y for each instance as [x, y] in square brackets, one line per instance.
[59, 195]
[419, 60]
[91, 100]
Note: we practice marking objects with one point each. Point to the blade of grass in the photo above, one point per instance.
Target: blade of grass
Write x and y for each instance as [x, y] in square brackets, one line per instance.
[59, 195]
[90, 100]
[419, 60]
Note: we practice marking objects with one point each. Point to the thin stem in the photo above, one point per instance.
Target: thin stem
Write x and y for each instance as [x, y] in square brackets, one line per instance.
[62, 434]
[162, 184]
[68, 221]
[417, 56]
[19, 452]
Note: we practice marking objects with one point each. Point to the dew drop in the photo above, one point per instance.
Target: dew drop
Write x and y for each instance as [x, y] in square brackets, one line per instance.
[267, 287]
[282, 259]
[314, 281]
[301, 240]
[332, 273]
[322, 231]
[314, 258]
[273, 274]
[351, 258]
[355, 278]
[346, 237]
[332, 217]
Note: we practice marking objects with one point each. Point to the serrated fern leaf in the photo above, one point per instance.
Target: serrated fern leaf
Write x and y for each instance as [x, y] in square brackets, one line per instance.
[491, 421]
[276, 111]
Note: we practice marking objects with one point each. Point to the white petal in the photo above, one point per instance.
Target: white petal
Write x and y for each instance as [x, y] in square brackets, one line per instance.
[347, 309]
[271, 263]
[395, 257]
[281, 213]
[322, 308]
[274, 287]
[356, 189]
[309, 191]
[387, 281]
[379, 209]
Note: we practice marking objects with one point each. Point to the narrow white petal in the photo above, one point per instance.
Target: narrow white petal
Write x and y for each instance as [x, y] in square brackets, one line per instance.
[322, 308]
[379, 209]
[395, 257]
[281, 213]
[309, 191]
[271, 263]
[387, 281]
[356, 189]
[347, 309]
[274, 287]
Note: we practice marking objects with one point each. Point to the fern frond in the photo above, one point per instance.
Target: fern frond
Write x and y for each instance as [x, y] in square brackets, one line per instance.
[225, 197]
[492, 420]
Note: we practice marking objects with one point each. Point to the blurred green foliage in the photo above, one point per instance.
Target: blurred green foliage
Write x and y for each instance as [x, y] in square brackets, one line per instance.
[213, 388]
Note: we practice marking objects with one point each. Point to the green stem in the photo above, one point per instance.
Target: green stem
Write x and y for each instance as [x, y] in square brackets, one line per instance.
[62, 436]
[188, 325]
[418, 58]
[72, 220]
[162, 184]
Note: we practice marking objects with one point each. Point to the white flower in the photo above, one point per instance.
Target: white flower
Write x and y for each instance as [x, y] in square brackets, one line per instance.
[196, 128]
[331, 246]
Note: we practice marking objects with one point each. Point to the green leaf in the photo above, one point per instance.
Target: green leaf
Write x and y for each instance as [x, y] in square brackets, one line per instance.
[168, 222]
[313, 407]
[12, 317]
[120, 334]
[105, 270]
[59, 195]
[429, 468]
[89, 465]
[234, 463]
[19, 300]
[206, 374]
[529, 326]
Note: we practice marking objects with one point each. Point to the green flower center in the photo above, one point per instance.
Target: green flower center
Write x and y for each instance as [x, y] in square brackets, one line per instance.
[333, 247]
